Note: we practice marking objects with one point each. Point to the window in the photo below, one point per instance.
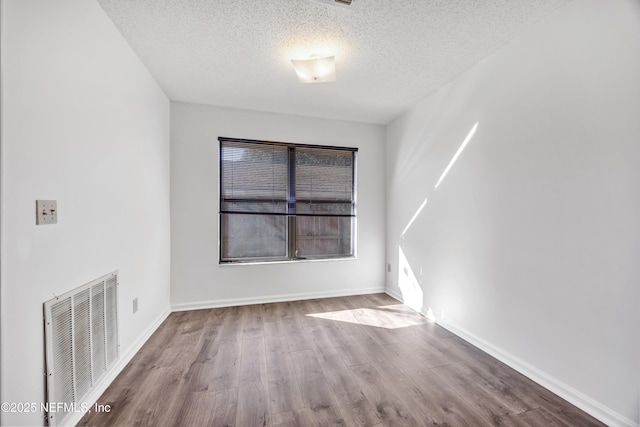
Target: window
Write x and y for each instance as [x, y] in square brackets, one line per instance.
[285, 201]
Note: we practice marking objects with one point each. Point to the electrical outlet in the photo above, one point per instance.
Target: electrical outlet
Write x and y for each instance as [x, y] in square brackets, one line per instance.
[46, 212]
[135, 305]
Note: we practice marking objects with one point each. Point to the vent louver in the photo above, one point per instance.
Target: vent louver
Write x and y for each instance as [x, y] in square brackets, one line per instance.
[81, 332]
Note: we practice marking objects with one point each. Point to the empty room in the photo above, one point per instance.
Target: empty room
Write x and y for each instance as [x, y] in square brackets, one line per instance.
[320, 212]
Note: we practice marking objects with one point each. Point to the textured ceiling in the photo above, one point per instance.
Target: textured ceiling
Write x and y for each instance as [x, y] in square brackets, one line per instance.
[390, 54]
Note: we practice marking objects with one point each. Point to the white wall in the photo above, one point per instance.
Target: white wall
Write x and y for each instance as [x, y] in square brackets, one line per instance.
[85, 124]
[196, 277]
[530, 246]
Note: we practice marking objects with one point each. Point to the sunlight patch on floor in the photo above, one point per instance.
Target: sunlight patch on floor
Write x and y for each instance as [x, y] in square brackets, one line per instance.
[388, 317]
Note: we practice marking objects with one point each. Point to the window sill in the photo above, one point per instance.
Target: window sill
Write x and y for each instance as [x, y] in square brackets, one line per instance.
[292, 261]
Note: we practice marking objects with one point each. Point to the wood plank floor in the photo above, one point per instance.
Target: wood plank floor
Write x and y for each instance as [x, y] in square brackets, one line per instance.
[353, 361]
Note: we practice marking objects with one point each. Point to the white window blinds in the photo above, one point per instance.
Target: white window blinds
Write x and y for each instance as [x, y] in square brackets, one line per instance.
[285, 201]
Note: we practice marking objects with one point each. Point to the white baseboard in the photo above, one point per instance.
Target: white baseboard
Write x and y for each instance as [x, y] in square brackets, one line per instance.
[395, 295]
[124, 359]
[568, 393]
[571, 395]
[272, 298]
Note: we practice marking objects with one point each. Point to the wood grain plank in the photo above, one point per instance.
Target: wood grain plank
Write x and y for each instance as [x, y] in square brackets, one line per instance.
[430, 332]
[283, 388]
[428, 355]
[339, 315]
[253, 391]
[459, 351]
[546, 401]
[296, 335]
[478, 370]
[206, 408]
[253, 406]
[350, 399]
[436, 393]
[275, 329]
[226, 369]
[157, 400]
[210, 343]
[350, 352]
[252, 321]
[461, 380]
[269, 312]
[427, 407]
[232, 326]
[308, 311]
[390, 408]
[540, 418]
[378, 325]
[316, 393]
[296, 418]
[284, 310]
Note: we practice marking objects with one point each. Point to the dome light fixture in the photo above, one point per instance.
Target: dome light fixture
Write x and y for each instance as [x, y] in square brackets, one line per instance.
[315, 69]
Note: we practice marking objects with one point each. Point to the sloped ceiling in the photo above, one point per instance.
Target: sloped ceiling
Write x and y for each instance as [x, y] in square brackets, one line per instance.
[390, 54]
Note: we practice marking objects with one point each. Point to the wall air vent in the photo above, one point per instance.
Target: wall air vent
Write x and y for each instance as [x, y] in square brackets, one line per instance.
[81, 333]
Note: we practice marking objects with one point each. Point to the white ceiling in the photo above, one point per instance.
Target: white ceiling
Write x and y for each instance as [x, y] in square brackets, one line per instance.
[390, 54]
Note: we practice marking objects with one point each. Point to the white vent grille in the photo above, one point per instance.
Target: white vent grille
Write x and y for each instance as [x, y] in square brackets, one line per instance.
[81, 329]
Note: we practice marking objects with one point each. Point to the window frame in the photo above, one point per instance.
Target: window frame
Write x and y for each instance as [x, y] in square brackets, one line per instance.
[290, 232]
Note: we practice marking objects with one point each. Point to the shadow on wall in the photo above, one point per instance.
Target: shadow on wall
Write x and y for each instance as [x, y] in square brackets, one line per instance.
[410, 286]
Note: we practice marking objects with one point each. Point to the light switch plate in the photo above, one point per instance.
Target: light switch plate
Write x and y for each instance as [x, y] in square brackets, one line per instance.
[46, 212]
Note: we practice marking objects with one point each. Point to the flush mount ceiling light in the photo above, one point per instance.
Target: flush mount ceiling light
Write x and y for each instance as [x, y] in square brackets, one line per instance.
[341, 3]
[315, 69]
